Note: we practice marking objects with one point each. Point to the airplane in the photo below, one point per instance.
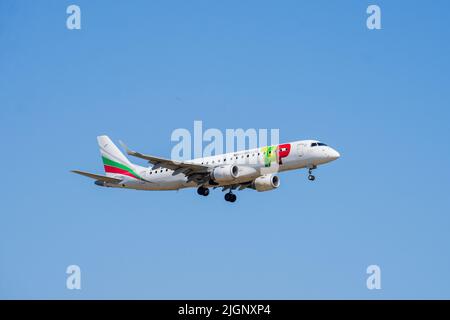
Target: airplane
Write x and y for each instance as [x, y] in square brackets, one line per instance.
[249, 169]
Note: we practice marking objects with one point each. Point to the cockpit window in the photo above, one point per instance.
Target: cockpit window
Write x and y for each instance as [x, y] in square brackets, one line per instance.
[315, 144]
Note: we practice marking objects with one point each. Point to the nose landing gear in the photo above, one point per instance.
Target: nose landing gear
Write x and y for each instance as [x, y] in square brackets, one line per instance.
[311, 177]
[230, 197]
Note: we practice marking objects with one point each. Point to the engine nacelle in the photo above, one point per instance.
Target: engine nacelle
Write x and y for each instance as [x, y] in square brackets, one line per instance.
[246, 174]
[266, 182]
[225, 174]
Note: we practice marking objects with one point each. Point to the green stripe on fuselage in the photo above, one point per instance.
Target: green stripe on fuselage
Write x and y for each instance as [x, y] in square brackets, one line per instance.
[112, 163]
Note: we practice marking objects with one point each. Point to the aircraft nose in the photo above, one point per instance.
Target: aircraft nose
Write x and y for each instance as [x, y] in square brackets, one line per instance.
[334, 154]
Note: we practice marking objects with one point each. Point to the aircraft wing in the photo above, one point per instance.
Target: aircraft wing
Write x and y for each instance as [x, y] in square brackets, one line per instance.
[97, 177]
[179, 166]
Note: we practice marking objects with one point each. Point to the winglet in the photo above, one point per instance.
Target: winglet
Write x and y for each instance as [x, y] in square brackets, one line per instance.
[133, 153]
[124, 146]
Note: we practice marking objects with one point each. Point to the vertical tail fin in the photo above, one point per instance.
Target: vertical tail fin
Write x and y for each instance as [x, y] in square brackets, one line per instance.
[114, 161]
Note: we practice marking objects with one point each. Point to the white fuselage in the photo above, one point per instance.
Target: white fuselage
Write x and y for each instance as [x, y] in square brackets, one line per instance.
[254, 162]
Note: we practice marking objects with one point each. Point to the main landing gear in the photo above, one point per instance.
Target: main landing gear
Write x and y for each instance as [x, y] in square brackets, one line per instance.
[311, 177]
[230, 197]
[203, 191]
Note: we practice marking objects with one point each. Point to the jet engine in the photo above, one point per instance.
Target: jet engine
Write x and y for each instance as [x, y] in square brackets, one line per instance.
[225, 174]
[266, 182]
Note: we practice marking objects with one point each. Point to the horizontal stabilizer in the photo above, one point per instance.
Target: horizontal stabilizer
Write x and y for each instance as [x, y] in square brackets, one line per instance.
[97, 177]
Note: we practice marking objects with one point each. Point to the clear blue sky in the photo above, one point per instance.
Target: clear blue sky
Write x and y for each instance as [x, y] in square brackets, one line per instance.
[137, 71]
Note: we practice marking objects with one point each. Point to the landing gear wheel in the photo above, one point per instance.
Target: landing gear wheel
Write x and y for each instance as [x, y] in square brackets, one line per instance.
[310, 176]
[230, 197]
[203, 191]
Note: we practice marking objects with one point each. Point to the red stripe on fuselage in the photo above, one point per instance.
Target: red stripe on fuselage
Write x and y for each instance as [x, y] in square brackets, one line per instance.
[110, 169]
